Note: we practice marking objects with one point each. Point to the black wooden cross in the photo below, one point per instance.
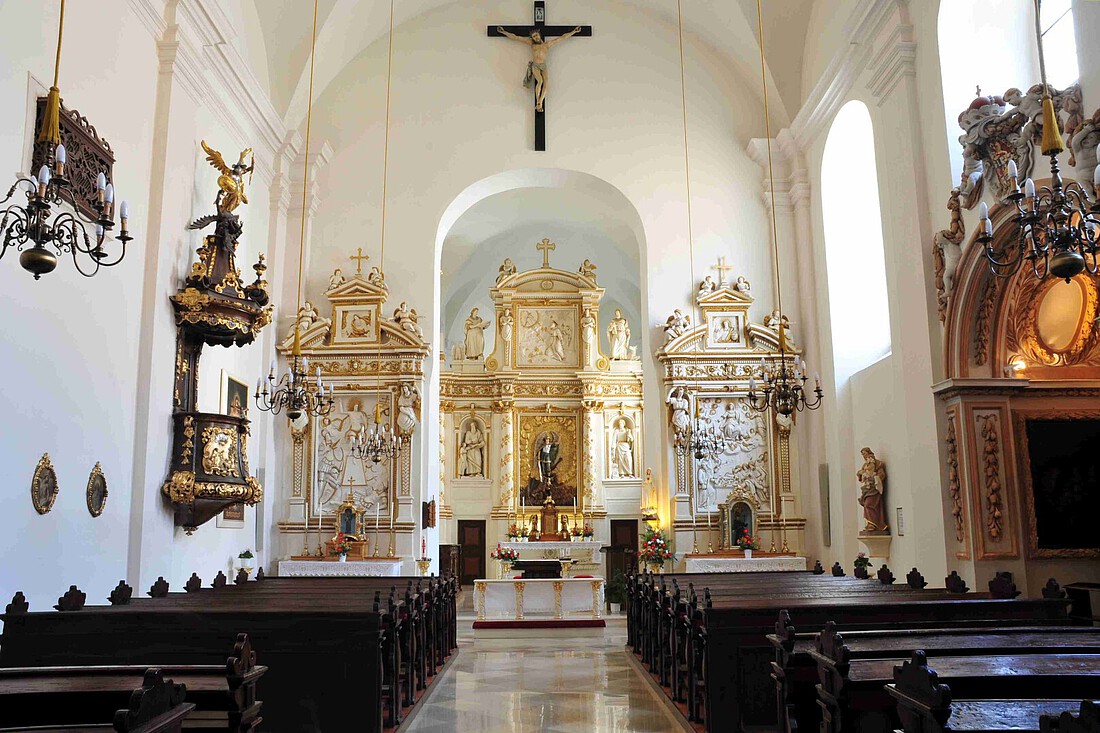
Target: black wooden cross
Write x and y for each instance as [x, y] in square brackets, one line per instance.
[546, 32]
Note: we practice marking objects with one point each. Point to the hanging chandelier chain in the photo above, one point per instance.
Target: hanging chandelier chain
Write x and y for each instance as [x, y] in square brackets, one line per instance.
[771, 171]
[57, 56]
[386, 148]
[305, 164]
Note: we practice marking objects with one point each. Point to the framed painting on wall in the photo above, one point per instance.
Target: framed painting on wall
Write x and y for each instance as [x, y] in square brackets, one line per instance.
[232, 517]
[234, 396]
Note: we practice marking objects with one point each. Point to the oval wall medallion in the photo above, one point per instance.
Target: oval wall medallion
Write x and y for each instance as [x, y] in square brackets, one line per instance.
[44, 485]
[97, 491]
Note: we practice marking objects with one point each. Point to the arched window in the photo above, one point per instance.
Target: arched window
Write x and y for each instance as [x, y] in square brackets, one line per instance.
[988, 44]
[858, 305]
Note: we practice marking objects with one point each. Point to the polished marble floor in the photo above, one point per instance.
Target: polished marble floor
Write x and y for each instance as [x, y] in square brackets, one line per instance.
[558, 685]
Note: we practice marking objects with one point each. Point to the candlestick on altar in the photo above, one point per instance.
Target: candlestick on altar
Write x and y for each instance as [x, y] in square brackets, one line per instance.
[377, 502]
[320, 515]
[784, 525]
[710, 538]
[305, 529]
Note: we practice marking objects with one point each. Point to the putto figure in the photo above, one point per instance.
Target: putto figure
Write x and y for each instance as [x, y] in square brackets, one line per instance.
[231, 181]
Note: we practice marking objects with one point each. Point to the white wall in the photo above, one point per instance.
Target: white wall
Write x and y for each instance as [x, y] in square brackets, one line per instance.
[88, 362]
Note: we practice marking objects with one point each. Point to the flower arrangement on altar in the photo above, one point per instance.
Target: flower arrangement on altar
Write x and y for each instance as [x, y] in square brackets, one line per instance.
[341, 545]
[747, 542]
[504, 554]
[655, 548]
[862, 561]
[587, 532]
[517, 532]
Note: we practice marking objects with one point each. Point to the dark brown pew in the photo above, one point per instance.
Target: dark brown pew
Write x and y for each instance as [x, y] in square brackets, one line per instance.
[224, 695]
[157, 706]
[864, 704]
[924, 705]
[324, 643]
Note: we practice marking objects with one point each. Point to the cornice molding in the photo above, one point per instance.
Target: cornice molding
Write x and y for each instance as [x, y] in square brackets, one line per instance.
[896, 60]
[151, 15]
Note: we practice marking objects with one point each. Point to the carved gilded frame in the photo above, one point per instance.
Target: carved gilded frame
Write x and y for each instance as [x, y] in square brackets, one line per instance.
[44, 487]
[96, 493]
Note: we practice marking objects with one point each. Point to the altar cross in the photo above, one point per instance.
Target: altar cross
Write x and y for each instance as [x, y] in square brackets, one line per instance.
[722, 268]
[546, 32]
[546, 247]
[360, 259]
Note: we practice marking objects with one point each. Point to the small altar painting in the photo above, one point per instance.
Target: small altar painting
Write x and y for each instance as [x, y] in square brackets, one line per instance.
[232, 517]
[725, 330]
[547, 337]
[355, 324]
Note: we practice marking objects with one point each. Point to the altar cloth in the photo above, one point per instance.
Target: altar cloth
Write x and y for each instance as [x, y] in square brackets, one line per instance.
[554, 598]
[375, 567]
[714, 564]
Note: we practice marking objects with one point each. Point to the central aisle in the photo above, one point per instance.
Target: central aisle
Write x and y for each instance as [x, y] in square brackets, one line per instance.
[556, 685]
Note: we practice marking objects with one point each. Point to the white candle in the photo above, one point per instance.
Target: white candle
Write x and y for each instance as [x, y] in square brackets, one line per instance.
[391, 516]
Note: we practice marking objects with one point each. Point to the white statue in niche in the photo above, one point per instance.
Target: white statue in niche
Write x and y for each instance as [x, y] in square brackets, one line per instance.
[506, 325]
[618, 335]
[472, 451]
[408, 409]
[622, 450]
[475, 335]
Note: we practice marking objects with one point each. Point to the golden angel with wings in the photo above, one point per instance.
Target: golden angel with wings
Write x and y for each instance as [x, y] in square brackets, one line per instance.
[231, 181]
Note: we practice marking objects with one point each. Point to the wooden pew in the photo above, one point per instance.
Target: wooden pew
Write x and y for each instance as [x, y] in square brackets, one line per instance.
[863, 703]
[157, 706]
[224, 695]
[728, 656]
[324, 643]
[924, 705]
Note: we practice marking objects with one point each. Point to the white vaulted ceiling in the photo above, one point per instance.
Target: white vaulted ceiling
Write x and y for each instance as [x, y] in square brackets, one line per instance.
[346, 28]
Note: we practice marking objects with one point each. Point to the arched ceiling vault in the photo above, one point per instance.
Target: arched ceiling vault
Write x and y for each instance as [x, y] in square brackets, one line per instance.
[348, 27]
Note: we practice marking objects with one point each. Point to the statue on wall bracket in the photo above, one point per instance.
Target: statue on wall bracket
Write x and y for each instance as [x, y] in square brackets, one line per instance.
[872, 494]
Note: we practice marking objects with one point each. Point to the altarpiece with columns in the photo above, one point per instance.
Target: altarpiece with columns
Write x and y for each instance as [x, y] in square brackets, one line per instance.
[374, 364]
[545, 376]
[706, 371]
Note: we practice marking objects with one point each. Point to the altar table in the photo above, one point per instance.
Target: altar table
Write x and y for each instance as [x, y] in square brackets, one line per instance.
[550, 597]
[374, 567]
[718, 564]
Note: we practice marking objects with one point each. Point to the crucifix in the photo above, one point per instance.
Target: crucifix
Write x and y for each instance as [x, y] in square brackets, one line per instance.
[722, 268]
[540, 37]
[546, 247]
[359, 258]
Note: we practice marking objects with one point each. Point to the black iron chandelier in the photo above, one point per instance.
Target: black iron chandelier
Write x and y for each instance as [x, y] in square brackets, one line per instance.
[294, 392]
[701, 441]
[51, 235]
[1058, 226]
[783, 389]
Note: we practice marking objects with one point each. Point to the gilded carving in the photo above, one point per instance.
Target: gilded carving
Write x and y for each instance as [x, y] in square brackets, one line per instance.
[533, 427]
[188, 440]
[192, 299]
[983, 320]
[1023, 338]
[954, 487]
[507, 465]
[219, 451]
[946, 253]
[44, 486]
[991, 460]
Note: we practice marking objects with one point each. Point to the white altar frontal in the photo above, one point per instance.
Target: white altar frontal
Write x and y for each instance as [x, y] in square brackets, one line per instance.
[565, 598]
[721, 564]
[374, 567]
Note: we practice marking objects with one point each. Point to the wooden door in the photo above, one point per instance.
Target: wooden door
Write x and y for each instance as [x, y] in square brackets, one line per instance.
[471, 538]
[622, 555]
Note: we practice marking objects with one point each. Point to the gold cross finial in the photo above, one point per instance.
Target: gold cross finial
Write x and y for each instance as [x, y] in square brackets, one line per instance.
[359, 260]
[722, 267]
[546, 247]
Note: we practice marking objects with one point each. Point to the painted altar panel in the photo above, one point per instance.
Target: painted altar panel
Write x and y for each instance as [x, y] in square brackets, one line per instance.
[563, 429]
[547, 337]
[743, 464]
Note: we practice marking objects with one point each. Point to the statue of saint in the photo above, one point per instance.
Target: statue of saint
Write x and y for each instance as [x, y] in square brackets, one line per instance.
[473, 451]
[536, 67]
[872, 490]
[618, 334]
[622, 450]
[408, 409]
[475, 335]
[548, 458]
[681, 406]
